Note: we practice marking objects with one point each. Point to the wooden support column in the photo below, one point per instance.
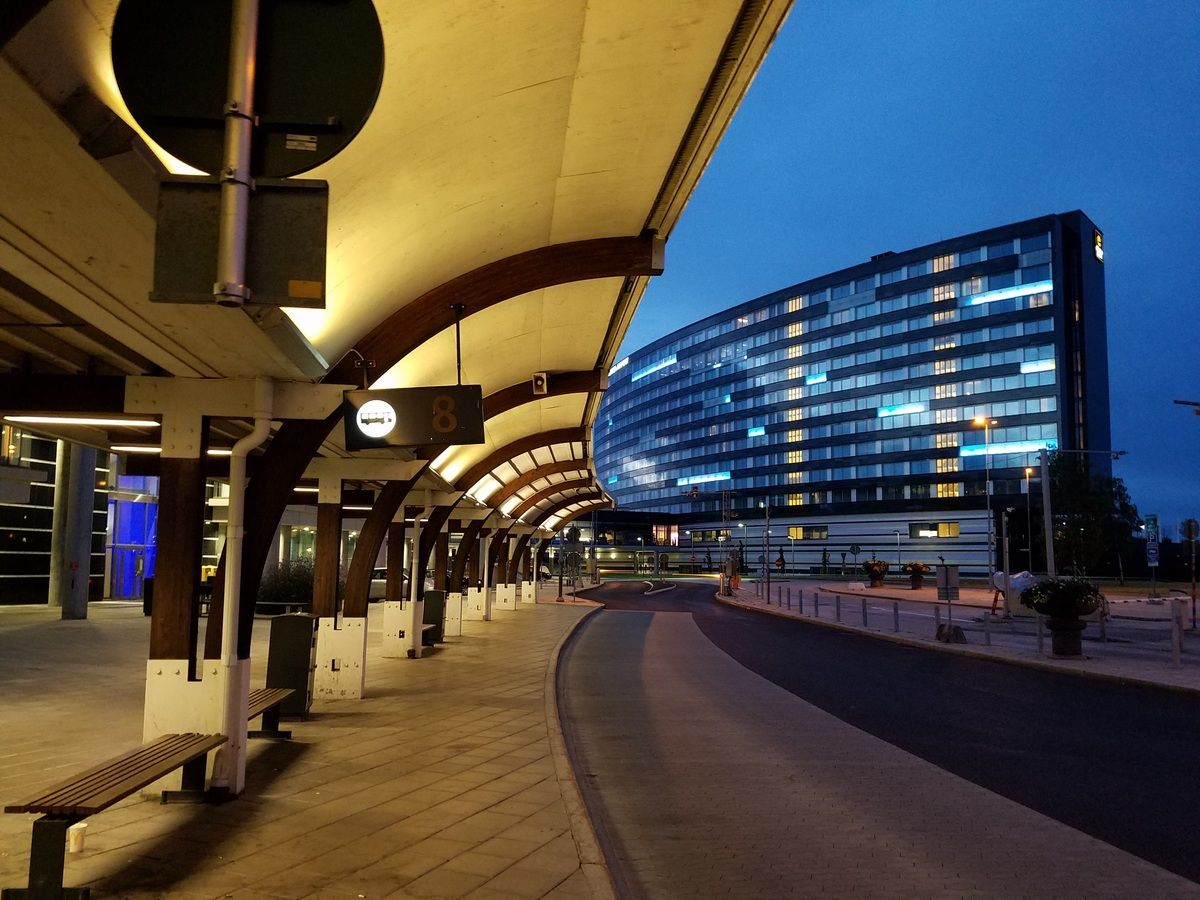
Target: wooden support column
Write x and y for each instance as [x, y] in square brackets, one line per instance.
[441, 561]
[176, 614]
[464, 564]
[327, 556]
[395, 561]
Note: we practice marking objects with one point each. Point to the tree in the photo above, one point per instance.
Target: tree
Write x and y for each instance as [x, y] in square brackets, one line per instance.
[1094, 517]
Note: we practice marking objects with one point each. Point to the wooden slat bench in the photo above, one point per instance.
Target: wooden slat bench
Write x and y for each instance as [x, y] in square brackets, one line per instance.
[265, 702]
[97, 789]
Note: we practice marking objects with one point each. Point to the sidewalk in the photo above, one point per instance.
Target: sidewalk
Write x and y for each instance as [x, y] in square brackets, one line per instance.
[448, 780]
[1148, 659]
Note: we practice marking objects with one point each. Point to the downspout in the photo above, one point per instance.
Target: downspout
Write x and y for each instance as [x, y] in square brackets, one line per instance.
[230, 769]
[415, 591]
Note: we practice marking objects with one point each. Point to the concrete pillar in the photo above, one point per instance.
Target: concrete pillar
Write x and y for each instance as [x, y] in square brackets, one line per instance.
[71, 538]
[328, 551]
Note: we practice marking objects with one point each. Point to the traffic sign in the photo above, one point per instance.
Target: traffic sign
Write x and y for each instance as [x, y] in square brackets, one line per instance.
[410, 417]
[1151, 540]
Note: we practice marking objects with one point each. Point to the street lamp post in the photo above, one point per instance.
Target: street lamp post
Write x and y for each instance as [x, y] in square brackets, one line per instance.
[897, 552]
[1028, 519]
[987, 486]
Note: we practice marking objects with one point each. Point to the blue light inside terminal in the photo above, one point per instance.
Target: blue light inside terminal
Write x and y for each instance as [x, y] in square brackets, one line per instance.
[618, 366]
[819, 378]
[1038, 365]
[1009, 293]
[902, 410]
[756, 431]
[612, 479]
[999, 449]
[654, 367]
[701, 479]
[728, 399]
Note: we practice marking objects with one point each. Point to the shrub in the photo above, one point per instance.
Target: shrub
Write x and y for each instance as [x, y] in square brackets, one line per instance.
[914, 568]
[875, 568]
[289, 582]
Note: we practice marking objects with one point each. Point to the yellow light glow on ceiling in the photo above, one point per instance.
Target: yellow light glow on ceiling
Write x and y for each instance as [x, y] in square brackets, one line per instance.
[81, 420]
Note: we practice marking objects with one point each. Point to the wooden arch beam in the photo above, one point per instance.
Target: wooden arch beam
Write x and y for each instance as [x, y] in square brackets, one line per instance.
[370, 539]
[554, 468]
[545, 545]
[395, 337]
[559, 384]
[545, 493]
[468, 546]
[550, 510]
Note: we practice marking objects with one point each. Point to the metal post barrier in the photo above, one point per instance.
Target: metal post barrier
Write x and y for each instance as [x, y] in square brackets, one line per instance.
[864, 605]
[1041, 635]
[1176, 632]
[800, 600]
[789, 596]
[949, 612]
[987, 631]
[837, 607]
[816, 604]
[779, 597]
[1103, 628]
[896, 616]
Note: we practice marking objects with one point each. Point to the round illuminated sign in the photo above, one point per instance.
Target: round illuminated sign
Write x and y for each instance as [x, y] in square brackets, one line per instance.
[376, 418]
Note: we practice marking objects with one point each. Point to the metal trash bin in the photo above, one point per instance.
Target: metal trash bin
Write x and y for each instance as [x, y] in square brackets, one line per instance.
[290, 661]
[435, 615]
[148, 596]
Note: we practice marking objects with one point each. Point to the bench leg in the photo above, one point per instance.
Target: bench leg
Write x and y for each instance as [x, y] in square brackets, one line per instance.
[270, 725]
[191, 789]
[47, 853]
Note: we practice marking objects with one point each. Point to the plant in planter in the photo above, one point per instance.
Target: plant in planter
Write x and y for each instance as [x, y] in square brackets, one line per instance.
[916, 572]
[1063, 601]
[875, 569]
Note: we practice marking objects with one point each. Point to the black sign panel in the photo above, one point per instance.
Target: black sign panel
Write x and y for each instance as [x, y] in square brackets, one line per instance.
[411, 417]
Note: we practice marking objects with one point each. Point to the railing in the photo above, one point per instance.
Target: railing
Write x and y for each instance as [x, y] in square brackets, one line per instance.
[1145, 636]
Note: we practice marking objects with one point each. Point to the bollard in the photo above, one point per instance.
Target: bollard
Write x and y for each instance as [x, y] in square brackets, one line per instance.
[800, 600]
[779, 598]
[864, 604]
[816, 604]
[987, 631]
[949, 612]
[1103, 628]
[837, 607]
[1041, 637]
[1177, 632]
[896, 616]
[789, 596]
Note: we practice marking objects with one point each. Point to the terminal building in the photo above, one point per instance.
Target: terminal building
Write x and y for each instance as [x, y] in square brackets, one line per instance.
[861, 412]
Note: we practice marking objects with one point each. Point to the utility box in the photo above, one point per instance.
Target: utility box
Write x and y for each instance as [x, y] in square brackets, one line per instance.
[290, 662]
[947, 584]
[435, 615]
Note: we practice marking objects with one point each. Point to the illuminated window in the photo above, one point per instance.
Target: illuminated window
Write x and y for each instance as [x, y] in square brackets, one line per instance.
[795, 304]
[795, 350]
[933, 529]
[795, 329]
[795, 435]
[950, 464]
[945, 439]
[942, 263]
[945, 415]
[795, 499]
[1039, 300]
[942, 391]
[795, 393]
[972, 286]
[944, 292]
[795, 372]
[944, 366]
[946, 342]
[794, 414]
[795, 456]
[795, 477]
[809, 532]
[949, 489]
[10, 445]
[946, 315]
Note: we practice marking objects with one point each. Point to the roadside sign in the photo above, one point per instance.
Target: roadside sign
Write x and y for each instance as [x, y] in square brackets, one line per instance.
[1152, 540]
[410, 417]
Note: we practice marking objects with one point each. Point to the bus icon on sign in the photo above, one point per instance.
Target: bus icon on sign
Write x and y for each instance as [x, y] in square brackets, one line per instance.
[376, 418]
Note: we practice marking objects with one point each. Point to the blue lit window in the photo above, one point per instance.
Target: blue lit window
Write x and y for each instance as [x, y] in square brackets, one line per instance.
[1040, 365]
[702, 479]
[654, 367]
[902, 410]
[818, 378]
[612, 479]
[756, 431]
[996, 449]
[1023, 290]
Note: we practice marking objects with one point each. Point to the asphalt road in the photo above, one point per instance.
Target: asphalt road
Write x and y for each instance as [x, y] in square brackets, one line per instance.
[1114, 761]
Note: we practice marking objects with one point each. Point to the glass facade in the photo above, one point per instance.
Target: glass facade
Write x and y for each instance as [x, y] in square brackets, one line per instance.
[859, 392]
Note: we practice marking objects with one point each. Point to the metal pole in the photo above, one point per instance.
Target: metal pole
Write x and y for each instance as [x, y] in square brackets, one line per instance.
[230, 287]
[1028, 518]
[864, 611]
[1047, 515]
[987, 492]
[896, 616]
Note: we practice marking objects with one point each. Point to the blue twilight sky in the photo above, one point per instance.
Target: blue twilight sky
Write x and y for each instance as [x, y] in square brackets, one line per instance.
[886, 125]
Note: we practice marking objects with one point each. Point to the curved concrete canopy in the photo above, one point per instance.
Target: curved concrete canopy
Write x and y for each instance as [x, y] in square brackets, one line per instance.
[500, 129]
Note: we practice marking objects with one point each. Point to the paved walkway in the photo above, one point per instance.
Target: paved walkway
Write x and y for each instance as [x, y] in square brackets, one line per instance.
[1138, 649]
[743, 790]
[448, 780]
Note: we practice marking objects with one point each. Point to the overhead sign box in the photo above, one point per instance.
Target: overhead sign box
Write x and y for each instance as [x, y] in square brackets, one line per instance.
[413, 417]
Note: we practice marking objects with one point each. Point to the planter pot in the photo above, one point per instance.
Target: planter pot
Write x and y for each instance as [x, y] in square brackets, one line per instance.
[1066, 636]
[876, 582]
[916, 580]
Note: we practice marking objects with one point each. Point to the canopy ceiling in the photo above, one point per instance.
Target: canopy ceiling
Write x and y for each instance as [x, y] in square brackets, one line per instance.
[501, 128]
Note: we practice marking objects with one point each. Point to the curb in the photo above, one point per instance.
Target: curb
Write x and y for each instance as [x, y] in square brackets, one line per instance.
[1045, 665]
[587, 844]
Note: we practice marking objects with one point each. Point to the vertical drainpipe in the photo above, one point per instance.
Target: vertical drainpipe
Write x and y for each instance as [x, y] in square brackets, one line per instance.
[230, 769]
